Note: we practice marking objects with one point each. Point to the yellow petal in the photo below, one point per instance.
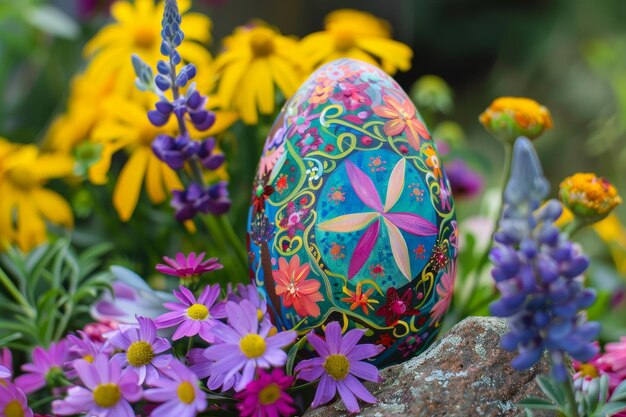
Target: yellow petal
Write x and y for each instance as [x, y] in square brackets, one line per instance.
[31, 230]
[230, 82]
[53, 207]
[285, 77]
[223, 120]
[196, 27]
[53, 166]
[265, 87]
[393, 54]
[171, 180]
[154, 180]
[128, 187]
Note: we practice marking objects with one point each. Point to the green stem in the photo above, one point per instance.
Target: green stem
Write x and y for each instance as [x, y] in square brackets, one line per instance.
[573, 227]
[46, 400]
[235, 242]
[484, 258]
[12, 289]
[189, 345]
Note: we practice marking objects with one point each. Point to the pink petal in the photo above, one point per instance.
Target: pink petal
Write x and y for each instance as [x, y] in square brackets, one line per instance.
[399, 249]
[363, 249]
[348, 222]
[363, 187]
[412, 223]
[395, 185]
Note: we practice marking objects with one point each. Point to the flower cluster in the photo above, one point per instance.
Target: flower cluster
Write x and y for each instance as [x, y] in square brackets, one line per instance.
[538, 273]
[178, 151]
[112, 369]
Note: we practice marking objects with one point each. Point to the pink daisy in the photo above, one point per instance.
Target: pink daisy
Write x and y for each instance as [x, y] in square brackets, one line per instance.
[45, 364]
[193, 316]
[141, 348]
[187, 267]
[266, 396]
[13, 402]
[178, 390]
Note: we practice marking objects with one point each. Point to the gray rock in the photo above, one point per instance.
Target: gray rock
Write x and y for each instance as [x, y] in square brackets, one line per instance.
[465, 373]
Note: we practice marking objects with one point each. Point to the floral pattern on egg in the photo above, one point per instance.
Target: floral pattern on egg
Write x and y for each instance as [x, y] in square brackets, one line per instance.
[352, 218]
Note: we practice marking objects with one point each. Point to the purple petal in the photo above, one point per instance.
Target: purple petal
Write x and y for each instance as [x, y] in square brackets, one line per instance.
[361, 352]
[310, 369]
[333, 337]
[364, 187]
[349, 340]
[364, 370]
[412, 223]
[188, 295]
[169, 319]
[246, 376]
[358, 389]
[275, 357]
[363, 249]
[282, 339]
[87, 373]
[147, 329]
[325, 391]
[347, 397]
[320, 346]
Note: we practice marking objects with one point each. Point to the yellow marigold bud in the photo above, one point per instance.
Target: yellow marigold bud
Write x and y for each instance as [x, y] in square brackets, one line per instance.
[589, 197]
[510, 117]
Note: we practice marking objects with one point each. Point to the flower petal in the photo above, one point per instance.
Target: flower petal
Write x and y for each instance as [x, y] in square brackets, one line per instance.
[363, 249]
[412, 223]
[348, 222]
[364, 187]
[395, 185]
[399, 249]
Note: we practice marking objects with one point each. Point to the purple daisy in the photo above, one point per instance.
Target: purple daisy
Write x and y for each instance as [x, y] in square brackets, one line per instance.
[107, 391]
[339, 365]
[141, 348]
[188, 267]
[201, 366]
[251, 293]
[178, 390]
[193, 316]
[246, 344]
[83, 346]
[13, 402]
[46, 364]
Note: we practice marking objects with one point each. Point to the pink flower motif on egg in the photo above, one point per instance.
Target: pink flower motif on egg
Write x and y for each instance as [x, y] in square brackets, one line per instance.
[311, 141]
[394, 222]
[445, 288]
[292, 221]
[353, 96]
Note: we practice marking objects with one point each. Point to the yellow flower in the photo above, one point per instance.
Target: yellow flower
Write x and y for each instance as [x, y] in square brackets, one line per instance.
[588, 196]
[25, 203]
[354, 34]
[612, 232]
[511, 117]
[254, 59]
[84, 109]
[137, 30]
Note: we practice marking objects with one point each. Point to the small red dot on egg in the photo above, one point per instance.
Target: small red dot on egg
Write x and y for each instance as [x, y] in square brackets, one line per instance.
[366, 140]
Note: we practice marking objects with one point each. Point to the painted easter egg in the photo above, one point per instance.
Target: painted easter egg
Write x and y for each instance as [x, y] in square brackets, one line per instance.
[352, 218]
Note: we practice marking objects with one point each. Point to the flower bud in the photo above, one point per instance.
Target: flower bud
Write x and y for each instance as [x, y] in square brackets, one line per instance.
[508, 118]
[589, 197]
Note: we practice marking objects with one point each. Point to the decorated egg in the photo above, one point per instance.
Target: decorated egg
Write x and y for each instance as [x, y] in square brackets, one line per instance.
[352, 218]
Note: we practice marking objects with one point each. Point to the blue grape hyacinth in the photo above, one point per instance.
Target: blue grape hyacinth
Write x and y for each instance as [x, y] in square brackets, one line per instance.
[538, 272]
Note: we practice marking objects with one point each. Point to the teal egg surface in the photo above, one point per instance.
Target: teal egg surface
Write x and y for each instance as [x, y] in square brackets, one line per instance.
[352, 218]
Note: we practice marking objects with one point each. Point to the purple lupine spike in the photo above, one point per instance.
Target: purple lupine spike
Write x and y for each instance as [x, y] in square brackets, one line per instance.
[538, 273]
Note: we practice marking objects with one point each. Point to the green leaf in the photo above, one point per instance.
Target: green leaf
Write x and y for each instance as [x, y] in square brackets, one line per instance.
[620, 392]
[51, 20]
[604, 388]
[610, 409]
[537, 404]
[293, 353]
[553, 391]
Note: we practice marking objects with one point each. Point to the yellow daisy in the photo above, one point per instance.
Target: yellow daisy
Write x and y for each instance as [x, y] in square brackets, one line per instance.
[137, 30]
[354, 34]
[255, 59]
[25, 203]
